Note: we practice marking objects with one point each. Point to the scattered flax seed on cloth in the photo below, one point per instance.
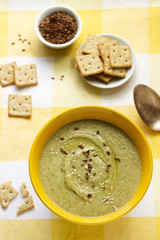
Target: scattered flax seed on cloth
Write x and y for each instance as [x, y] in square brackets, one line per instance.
[22, 41]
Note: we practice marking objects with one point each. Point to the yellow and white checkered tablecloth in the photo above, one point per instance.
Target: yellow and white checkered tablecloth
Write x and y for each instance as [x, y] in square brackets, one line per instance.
[137, 22]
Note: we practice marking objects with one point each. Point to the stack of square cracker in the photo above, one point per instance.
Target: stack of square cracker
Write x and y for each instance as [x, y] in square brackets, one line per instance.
[103, 58]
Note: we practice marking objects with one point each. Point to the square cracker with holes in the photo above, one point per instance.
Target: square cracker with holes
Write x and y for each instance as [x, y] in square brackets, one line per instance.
[104, 77]
[105, 44]
[89, 64]
[120, 57]
[7, 74]
[26, 75]
[79, 52]
[116, 72]
[91, 45]
[19, 105]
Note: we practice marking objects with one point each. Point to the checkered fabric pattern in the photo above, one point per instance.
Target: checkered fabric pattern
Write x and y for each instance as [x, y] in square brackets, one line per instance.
[135, 21]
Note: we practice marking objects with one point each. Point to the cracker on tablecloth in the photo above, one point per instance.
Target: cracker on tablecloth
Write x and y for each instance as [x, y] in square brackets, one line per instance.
[19, 105]
[120, 57]
[7, 193]
[89, 64]
[27, 205]
[7, 74]
[24, 190]
[26, 75]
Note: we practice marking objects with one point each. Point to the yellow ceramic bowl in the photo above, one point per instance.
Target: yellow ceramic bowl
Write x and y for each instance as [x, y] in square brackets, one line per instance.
[91, 112]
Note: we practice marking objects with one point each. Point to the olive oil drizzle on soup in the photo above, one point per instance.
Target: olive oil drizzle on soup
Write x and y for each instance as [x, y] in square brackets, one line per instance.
[90, 168]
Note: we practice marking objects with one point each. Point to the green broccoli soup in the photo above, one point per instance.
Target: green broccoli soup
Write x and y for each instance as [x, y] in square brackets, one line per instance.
[90, 168]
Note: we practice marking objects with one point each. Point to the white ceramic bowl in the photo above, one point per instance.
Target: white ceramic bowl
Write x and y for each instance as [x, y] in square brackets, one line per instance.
[48, 11]
[115, 82]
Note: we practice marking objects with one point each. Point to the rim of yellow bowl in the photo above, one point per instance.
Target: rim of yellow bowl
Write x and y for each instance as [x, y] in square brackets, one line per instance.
[145, 180]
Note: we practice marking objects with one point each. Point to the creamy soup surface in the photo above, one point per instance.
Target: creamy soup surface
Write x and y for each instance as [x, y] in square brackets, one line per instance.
[90, 168]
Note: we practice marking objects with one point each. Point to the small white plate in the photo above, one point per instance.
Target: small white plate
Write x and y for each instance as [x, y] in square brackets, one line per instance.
[114, 82]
